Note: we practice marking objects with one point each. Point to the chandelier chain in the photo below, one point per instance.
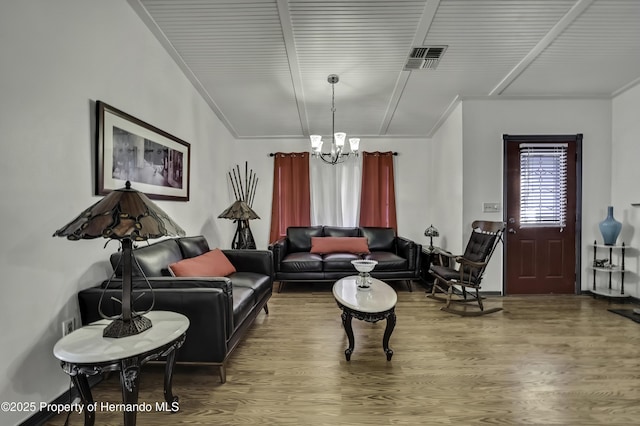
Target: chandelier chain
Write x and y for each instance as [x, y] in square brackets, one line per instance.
[333, 111]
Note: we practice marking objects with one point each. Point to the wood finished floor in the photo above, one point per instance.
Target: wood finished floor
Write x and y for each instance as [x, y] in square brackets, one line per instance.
[543, 360]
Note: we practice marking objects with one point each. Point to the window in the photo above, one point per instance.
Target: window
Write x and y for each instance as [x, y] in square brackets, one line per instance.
[543, 185]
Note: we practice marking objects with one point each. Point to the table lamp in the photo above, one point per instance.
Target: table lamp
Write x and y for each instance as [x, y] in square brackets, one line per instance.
[431, 232]
[127, 215]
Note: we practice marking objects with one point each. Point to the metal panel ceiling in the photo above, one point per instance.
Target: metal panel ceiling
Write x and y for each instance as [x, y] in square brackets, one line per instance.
[486, 39]
[597, 55]
[262, 64]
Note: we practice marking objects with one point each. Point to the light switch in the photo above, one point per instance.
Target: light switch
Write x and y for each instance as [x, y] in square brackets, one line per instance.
[490, 207]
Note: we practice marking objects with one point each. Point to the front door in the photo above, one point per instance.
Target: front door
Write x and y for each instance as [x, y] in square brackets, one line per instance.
[541, 199]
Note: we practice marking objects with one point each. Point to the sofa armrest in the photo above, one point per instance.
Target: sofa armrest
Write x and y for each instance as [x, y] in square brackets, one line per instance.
[206, 307]
[222, 283]
[409, 250]
[279, 249]
[258, 261]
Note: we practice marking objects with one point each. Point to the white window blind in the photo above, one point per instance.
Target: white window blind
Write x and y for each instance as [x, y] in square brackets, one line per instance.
[543, 185]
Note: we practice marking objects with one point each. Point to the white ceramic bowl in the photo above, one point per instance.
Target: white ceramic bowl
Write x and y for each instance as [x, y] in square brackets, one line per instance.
[364, 265]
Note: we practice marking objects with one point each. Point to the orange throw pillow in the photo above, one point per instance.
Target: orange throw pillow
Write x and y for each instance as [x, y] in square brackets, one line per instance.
[210, 264]
[325, 245]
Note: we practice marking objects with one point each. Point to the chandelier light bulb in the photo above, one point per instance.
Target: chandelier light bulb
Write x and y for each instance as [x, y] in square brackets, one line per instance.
[316, 143]
[354, 144]
[339, 139]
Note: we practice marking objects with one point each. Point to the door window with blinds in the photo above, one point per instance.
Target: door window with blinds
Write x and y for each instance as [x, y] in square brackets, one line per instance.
[543, 185]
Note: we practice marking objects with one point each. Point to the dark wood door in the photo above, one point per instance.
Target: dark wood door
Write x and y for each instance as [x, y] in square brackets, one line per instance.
[540, 258]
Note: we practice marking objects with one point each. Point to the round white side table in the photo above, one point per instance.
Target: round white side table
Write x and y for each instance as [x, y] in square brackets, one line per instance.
[85, 352]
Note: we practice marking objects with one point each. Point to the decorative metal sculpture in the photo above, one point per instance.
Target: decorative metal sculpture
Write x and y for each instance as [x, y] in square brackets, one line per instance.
[240, 211]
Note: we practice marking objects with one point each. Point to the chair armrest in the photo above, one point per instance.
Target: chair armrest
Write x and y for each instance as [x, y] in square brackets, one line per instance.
[223, 283]
[208, 308]
[279, 248]
[470, 271]
[409, 250]
[167, 285]
[445, 258]
[258, 261]
[466, 262]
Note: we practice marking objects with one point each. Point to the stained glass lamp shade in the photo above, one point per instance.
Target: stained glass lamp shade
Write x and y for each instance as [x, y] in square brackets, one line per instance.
[431, 232]
[127, 215]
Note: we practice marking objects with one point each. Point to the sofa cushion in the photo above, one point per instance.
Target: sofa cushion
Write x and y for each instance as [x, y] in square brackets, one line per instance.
[193, 246]
[153, 259]
[340, 262]
[387, 261]
[210, 264]
[259, 283]
[335, 231]
[324, 245]
[243, 301]
[380, 239]
[300, 237]
[301, 262]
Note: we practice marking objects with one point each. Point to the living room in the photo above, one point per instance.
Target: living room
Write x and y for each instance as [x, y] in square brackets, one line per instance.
[60, 57]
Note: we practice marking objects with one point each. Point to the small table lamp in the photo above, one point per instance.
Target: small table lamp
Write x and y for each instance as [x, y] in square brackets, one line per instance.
[241, 213]
[126, 215]
[431, 232]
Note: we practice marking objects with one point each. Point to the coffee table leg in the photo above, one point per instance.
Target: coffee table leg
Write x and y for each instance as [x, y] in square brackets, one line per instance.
[346, 323]
[391, 323]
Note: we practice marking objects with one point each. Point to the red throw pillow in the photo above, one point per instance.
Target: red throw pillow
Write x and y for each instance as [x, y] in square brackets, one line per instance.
[210, 264]
[324, 245]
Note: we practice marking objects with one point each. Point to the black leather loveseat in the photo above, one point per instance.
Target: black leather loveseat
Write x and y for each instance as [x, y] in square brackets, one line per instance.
[398, 258]
[220, 309]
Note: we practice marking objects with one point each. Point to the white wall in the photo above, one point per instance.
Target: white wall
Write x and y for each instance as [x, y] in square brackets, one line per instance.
[57, 59]
[484, 123]
[411, 180]
[625, 188]
[446, 174]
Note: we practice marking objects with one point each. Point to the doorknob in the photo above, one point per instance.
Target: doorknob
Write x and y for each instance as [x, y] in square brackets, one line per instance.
[512, 231]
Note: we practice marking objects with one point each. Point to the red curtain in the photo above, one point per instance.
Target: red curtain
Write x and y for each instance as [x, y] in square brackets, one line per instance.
[378, 197]
[291, 204]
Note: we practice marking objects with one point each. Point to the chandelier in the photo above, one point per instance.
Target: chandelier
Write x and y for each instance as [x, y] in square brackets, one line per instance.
[337, 153]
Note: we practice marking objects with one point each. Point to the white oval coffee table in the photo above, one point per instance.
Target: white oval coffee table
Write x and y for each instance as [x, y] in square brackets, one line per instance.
[372, 305]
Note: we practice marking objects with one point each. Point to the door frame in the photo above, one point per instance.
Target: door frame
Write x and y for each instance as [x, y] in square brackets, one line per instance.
[573, 138]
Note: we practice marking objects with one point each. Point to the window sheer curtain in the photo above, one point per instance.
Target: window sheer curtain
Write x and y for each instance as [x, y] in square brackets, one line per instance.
[291, 201]
[335, 192]
[378, 197]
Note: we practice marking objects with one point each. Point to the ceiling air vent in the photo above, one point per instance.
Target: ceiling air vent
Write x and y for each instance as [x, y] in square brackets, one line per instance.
[424, 58]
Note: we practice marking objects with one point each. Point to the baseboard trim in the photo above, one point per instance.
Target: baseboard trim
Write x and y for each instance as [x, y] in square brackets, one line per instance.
[39, 418]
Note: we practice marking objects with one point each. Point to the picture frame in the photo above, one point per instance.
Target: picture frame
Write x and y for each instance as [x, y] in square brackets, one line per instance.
[129, 149]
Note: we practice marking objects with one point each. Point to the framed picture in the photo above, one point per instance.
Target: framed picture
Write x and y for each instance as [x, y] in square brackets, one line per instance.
[128, 149]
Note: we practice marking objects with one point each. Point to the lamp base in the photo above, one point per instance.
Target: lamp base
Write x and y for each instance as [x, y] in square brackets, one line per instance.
[123, 328]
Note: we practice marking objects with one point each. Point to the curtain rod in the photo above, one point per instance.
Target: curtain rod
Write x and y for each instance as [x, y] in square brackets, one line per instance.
[273, 154]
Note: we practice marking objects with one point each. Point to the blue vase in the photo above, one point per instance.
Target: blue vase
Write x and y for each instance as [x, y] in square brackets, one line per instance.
[610, 228]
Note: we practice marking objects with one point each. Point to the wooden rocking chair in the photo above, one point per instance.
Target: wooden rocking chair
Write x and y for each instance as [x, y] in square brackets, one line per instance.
[454, 282]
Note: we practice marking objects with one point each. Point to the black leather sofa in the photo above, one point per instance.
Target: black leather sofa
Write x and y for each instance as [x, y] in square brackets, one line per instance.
[220, 309]
[398, 258]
